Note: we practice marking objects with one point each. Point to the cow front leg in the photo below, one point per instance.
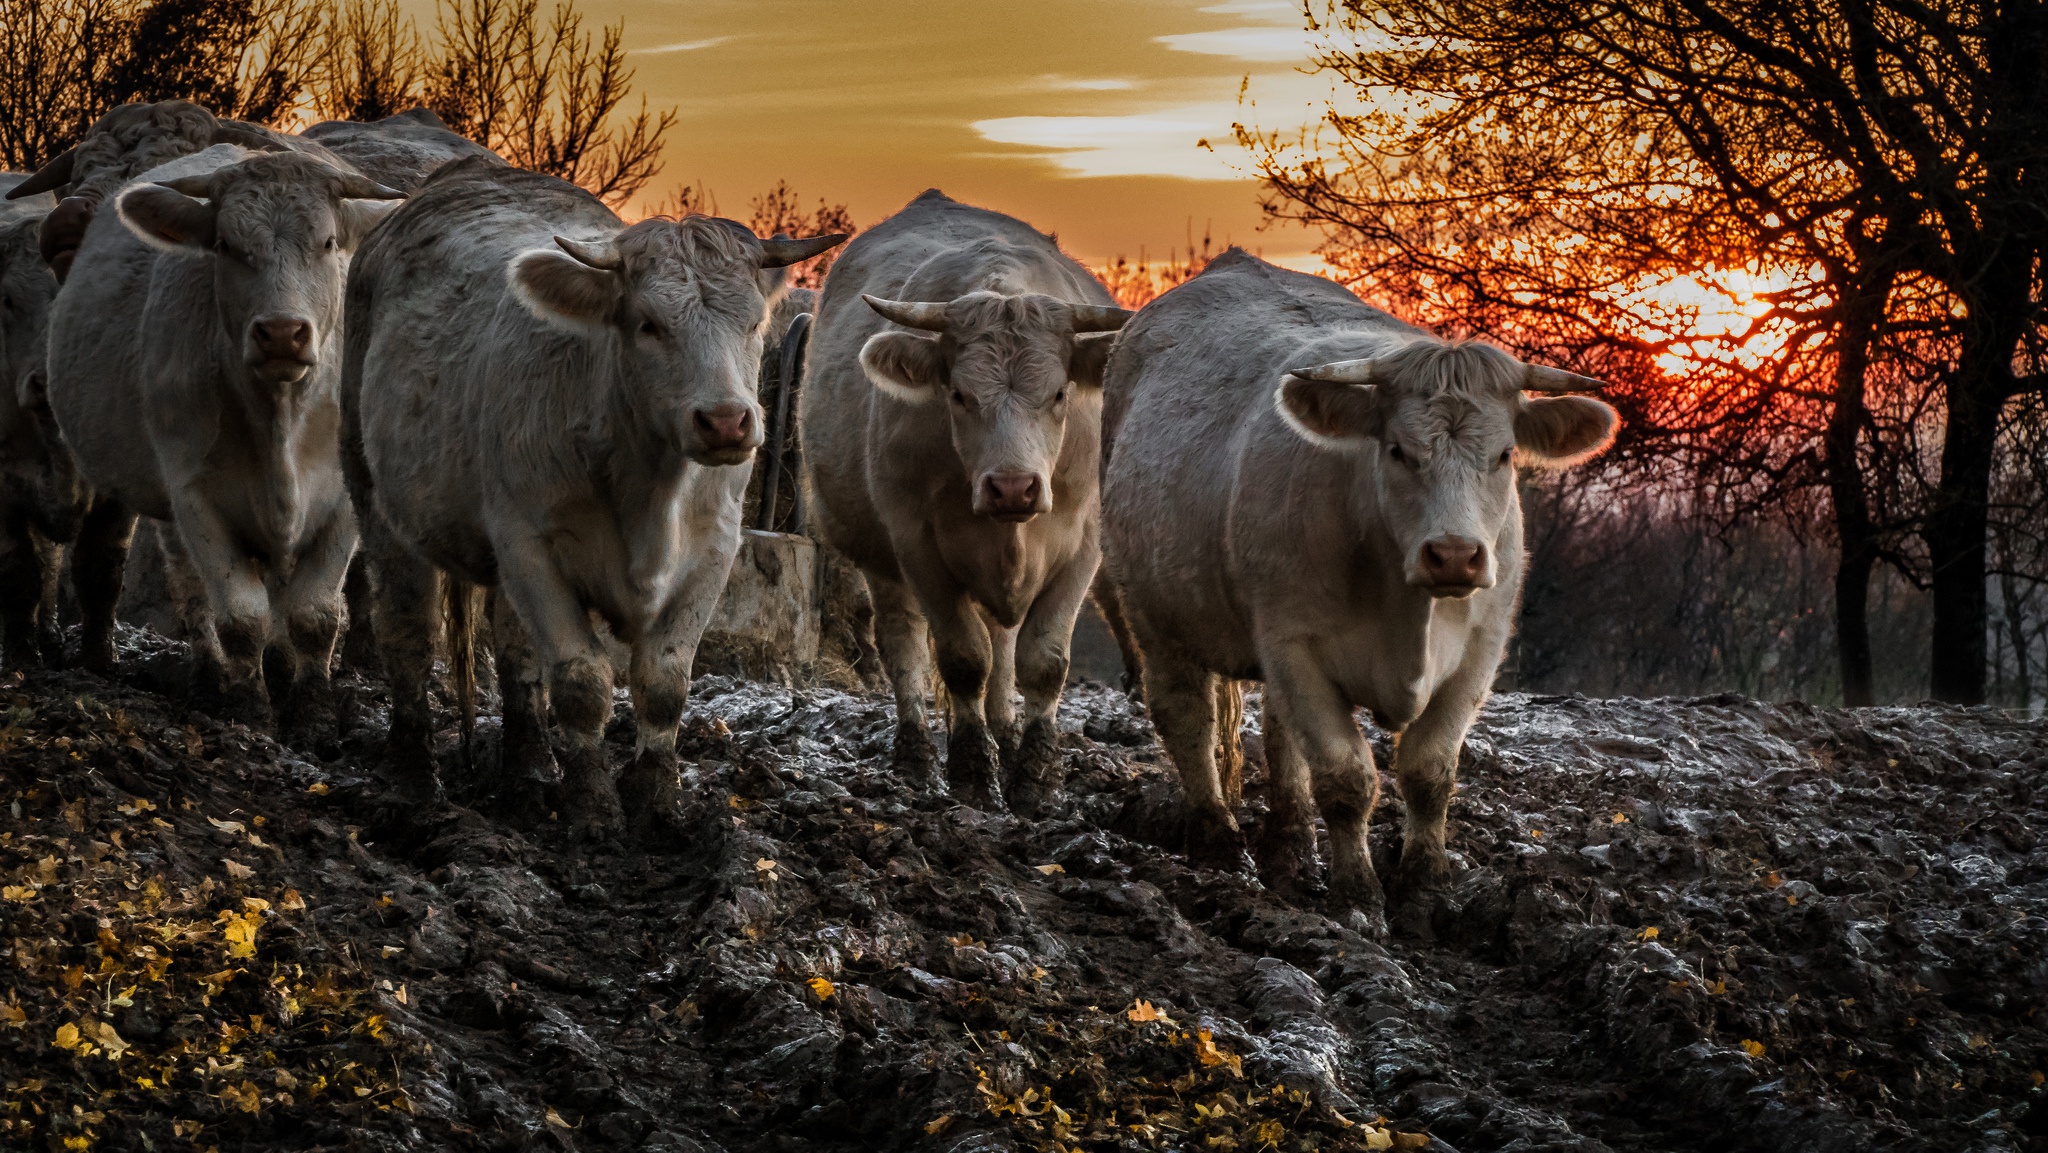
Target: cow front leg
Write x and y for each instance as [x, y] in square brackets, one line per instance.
[973, 761]
[1318, 721]
[1043, 649]
[187, 594]
[1287, 843]
[314, 607]
[525, 762]
[1426, 770]
[237, 601]
[96, 572]
[579, 679]
[905, 645]
[652, 786]
[999, 701]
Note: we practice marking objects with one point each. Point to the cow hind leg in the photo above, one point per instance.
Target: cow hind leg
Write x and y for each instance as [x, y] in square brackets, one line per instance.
[1182, 698]
[901, 635]
[526, 764]
[1111, 604]
[405, 595]
[96, 572]
[49, 628]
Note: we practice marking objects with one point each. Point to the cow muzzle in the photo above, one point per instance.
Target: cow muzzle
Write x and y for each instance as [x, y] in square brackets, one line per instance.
[1014, 497]
[1452, 566]
[281, 348]
[726, 433]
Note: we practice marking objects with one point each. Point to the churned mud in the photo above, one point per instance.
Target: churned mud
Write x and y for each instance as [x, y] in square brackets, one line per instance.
[1685, 925]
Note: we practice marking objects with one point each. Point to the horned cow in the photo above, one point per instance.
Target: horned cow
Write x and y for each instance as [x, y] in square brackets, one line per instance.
[1303, 490]
[545, 401]
[950, 429]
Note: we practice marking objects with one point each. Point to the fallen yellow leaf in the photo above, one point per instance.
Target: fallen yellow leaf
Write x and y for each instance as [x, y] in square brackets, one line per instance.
[1206, 1050]
[227, 826]
[17, 892]
[1411, 1140]
[1049, 870]
[318, 788]
[821, 987]
[1649, 934]
[1621, 818]
[938, 1124]
[67, 1036]
[555, 1119]
[1146, 1011]
[237, 869]
[1753, 1048]
[291, 902]
[1378, 1138]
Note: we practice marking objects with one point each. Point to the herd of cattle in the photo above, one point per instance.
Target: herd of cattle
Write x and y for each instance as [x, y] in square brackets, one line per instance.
[382, 338]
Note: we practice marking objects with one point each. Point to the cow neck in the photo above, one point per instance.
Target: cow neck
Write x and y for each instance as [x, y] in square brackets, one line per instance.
[276, 417]
[638, 466]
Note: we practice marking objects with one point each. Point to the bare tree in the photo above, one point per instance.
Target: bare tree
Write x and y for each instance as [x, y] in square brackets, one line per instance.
[546, 98]
[244, 59]
[780, 211]
[373, 65]
[59, 55]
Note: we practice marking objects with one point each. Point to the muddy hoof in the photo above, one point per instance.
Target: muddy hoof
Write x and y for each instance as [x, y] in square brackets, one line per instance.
[96, 655]
[651, 791]
[1214, 841]
[309, 718]
[914, 757]
[1360, 903]
[971, 768]
[589, 803]
[247, 703]
[1288, 865]
[1035, 770]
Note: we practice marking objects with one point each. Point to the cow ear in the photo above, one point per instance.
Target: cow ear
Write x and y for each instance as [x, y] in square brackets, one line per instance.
[1089, 358]
[1329, 413]
[564, 291]
[905, 365]
[358, 217]
[166, 218]
[1563, 430]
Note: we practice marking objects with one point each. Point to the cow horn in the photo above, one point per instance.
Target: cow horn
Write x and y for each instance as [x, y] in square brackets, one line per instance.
[1099, 317]
[603, 255]
[909, 313]
[55, 174]
[254, 139]
[1537, 378]
[200, 186]
[1363, 371]
[356, 186]
[781, 252]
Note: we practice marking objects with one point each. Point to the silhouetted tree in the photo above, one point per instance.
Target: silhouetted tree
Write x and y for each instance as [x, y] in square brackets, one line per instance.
[780, 210]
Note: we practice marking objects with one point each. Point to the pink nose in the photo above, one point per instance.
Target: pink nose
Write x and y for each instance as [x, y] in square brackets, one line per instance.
[1011, 495]
[1453, 562]
[282, 338]
[725, 426]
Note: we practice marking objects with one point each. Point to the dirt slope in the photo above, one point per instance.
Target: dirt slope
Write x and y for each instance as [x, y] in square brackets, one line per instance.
[1687, 925]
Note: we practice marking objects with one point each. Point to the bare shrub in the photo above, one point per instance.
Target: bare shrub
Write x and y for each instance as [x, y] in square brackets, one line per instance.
[374, 62]
[780, 211]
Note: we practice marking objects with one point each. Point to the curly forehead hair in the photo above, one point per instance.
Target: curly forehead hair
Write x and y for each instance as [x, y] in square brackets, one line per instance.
[988, 313]
[1461, 368]
[694, 240]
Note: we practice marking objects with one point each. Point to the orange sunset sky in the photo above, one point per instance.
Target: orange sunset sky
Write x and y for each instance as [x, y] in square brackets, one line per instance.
[1083, 118]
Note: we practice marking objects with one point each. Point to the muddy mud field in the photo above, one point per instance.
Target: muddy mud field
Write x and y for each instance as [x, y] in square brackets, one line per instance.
[1704, 924]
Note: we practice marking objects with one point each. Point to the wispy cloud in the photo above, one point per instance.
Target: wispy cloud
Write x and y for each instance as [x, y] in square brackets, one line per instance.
[681, 46]
[1281, 10]
[1266, 45]
[1167, 142]
[1083, 84]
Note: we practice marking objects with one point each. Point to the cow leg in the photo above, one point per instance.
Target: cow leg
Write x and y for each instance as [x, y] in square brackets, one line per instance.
[1182, 698]
[314, 607]
[405, 600]
[359, 643]
[652, 786]
[900, 634]
[999, 703]
[49, 629]
[965, 654]
[21, 593]
[1319, 726]
[238, 599]
[187, 594]
[1426, 769]
[579, 680]
[1044, 643]
[96, 571]
[525, 761]
[1111, 604]
[1287, 844]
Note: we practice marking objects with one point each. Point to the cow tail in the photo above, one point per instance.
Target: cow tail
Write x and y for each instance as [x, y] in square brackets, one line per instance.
[460, 611]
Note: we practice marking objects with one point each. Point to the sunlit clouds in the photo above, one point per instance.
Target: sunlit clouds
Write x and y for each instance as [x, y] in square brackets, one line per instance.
[1181, 142]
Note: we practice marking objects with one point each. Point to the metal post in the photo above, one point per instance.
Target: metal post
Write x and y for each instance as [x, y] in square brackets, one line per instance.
[789, 373]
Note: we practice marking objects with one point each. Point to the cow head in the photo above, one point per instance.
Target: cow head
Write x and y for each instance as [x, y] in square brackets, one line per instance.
[1441, 426]
[278, 229]
[40, 472]
[1005, 368]
[681, 305]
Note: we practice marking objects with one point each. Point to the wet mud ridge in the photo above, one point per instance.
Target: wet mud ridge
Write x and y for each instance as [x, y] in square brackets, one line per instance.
[1683, 925]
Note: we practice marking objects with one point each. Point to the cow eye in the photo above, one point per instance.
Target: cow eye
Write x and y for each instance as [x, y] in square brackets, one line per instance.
[959, 398]
[1394, 450]
[1506, 455]
[1061, 396]
[649, 328]
[330, 245]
